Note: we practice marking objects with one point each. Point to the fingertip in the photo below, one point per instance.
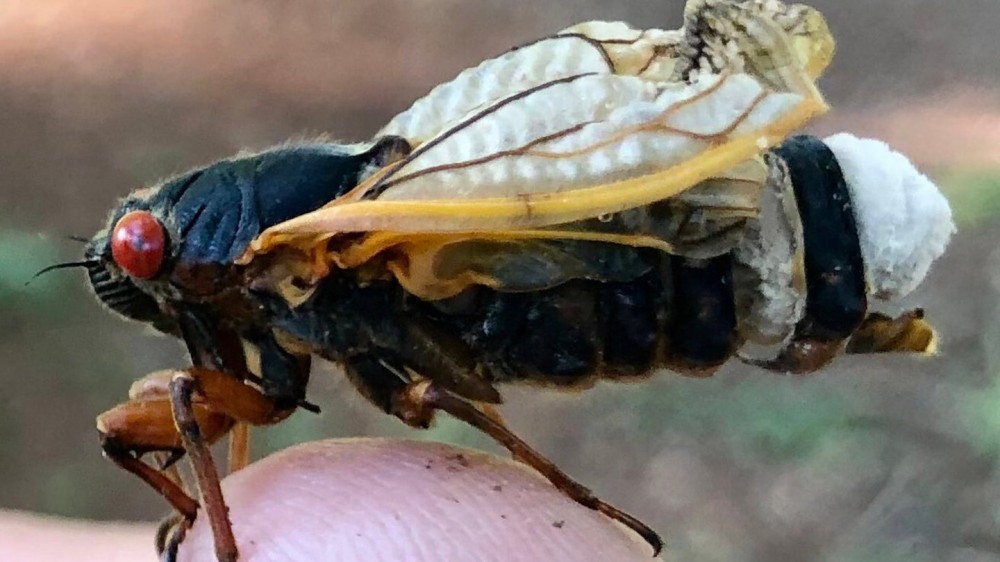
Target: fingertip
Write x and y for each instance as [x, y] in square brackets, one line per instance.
[378, 499]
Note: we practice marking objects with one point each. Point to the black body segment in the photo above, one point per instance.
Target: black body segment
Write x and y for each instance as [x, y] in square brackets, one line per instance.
[703, 324]
[213, 213]
[376, 379]
[836, 299]
[284, 375]
[559, 336]
[632, 316]
[679, 314]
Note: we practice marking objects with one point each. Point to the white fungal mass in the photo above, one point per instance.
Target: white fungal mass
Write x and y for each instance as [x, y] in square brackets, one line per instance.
[904, 222]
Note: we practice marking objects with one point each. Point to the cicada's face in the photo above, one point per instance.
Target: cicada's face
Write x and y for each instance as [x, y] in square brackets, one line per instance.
[128, 261]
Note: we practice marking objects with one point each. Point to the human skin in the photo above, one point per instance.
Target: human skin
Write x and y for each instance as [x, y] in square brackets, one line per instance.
[363, 499]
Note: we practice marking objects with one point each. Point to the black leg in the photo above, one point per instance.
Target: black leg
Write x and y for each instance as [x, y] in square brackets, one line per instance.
[169, 535]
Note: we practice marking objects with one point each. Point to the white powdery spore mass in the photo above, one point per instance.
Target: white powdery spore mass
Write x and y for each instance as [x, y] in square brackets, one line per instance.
[770, 301]
[904, 222]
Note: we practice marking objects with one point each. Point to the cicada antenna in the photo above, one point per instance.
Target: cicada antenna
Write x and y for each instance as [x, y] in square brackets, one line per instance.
[66, 265]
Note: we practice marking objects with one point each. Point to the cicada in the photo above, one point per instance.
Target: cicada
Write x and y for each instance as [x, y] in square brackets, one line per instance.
[600, 204]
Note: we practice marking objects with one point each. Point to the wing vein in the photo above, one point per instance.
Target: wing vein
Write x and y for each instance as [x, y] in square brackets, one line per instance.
[387, 181]
[521, 150]
[589, 40]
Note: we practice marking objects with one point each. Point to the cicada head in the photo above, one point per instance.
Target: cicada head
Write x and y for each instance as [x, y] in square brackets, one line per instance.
[176, 243]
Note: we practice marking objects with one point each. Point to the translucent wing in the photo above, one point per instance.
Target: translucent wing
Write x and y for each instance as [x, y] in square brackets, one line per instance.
[595, 121]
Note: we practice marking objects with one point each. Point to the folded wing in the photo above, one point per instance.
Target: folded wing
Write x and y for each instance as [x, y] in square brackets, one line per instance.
[601, 120]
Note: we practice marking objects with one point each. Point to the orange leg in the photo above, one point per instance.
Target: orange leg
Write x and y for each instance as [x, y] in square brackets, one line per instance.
[239, 447]
[146, 425]
[184, 411]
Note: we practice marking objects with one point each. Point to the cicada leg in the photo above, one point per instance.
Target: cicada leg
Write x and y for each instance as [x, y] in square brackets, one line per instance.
[416, 404]
[186, 411]
[239, 447]
[173, 528]
[182, 389]
[169, 535]
[492, 412]
[146, 425]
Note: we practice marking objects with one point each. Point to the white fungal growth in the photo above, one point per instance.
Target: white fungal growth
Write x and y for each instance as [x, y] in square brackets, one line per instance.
[769, 284]
[904, 222]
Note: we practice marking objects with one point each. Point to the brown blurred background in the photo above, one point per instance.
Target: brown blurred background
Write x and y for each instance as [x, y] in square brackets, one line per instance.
[877, 459]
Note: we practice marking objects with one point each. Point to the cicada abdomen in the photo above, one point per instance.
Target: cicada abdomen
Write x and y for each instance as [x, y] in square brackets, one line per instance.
[800, 277]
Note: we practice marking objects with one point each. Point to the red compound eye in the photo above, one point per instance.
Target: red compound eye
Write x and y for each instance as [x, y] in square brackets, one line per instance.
[138, 243]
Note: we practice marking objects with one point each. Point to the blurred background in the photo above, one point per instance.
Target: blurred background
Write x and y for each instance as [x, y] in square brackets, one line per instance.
[881, 459]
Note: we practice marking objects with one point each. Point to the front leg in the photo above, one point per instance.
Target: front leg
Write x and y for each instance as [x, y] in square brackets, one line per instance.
[178, 411]
[145, 424]
[182, 388]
